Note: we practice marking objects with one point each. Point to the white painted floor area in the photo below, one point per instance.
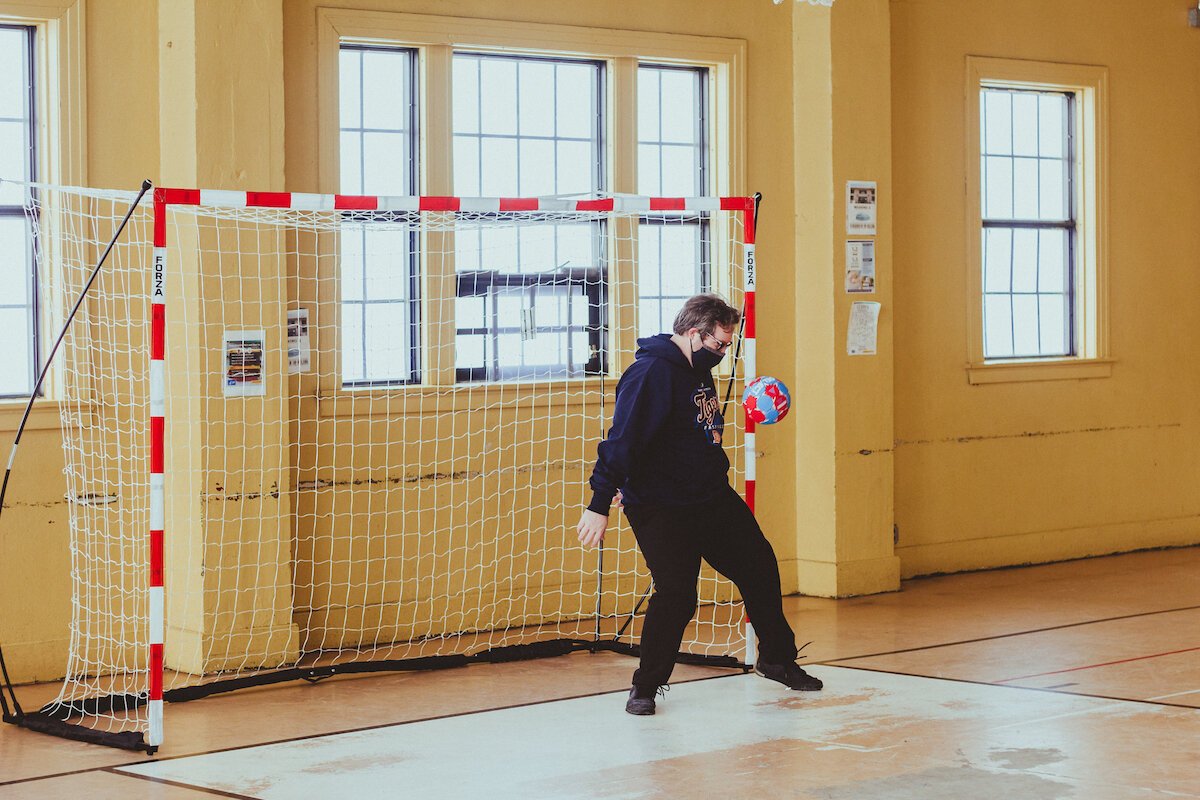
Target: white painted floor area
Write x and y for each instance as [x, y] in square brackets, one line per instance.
[868, 736]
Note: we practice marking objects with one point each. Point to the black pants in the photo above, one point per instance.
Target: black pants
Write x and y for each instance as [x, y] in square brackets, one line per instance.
[724, 533]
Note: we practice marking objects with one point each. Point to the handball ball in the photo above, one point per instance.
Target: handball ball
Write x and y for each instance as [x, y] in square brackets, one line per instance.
[766, 400]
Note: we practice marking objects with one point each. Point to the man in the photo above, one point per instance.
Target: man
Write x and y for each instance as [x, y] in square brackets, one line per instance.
[664, 455]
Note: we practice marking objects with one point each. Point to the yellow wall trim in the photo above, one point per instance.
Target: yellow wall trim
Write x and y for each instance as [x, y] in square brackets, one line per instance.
[1041, 547]
[1041, 370]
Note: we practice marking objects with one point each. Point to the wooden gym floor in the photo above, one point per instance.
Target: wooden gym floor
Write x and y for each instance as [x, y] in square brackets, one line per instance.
[1072, 680]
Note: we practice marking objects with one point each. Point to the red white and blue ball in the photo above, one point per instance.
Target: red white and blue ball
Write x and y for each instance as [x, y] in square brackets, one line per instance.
[766, 400]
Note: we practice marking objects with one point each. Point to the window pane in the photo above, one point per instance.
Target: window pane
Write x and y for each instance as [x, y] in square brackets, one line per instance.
[385, 156]
[466, 166]
[508, 350]
[576, 168]
[352, 262]
[537, 167]
[649, 175]
[466, 95]
[1052, 258]
[536, 245]
[680, 171]
[998, 188]
[387, 262]
[498, 249]
[469, 312]
[1025, 123]
[680, 259]
[14, 158]
[679, 104]
[384, 86]
[386, 340]
[498, 96]
[1024, 262]
[997, 326]
[1053, 189]
[14, 90]
[997, 123]
[648, 106]
[351, 163]
[997, 260]
[537, 87]
[352, 342]
[576, 113]
[469, 352]
[1052, 308]
[649, 258]
[15, 378]
[15, 272]
[671, 307]
[577, 245]
[1025, 325]
[1025, 188]
[499, 177]
[1051, 120]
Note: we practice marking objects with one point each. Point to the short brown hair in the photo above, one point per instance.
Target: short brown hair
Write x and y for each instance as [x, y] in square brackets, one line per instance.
[705, 312]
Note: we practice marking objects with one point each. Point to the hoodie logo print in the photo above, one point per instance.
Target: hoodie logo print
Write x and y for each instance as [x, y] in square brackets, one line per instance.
[709, 417]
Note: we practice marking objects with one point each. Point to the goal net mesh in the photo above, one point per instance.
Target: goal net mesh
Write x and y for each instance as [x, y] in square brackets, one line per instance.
[379, 430]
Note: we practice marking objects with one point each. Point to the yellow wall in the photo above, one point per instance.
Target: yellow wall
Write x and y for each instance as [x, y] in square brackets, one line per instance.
[974, 476]
[1012, 473]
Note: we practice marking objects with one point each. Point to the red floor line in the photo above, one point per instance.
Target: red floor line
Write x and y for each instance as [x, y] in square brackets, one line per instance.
[1105, 664]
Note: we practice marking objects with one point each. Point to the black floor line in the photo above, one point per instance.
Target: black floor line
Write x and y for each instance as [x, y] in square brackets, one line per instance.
[837, 661]
[179, 784]
[1021, 688]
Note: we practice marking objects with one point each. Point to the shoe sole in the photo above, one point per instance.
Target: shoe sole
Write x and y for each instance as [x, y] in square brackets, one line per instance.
[649, 713]
[793, 688]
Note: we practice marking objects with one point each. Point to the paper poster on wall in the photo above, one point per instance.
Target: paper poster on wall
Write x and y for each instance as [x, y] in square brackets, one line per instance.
[860, 207]
[243, 363]
[863, 328]
[299, 358]
[860, 266]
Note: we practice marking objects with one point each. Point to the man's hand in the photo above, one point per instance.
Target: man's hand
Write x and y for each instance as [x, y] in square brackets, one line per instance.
[591, 528]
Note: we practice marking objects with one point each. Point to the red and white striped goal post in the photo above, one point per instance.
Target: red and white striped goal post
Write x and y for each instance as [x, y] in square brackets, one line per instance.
[165, 197]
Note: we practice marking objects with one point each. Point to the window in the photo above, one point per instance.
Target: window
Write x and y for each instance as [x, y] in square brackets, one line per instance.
[1036, 138]
[379, 261]
[529, 298]
[519, 110]
[18, 158]
[1029, 225]
[672, 162]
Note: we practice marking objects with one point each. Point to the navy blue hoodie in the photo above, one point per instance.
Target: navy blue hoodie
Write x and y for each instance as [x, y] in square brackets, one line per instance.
[665, 443]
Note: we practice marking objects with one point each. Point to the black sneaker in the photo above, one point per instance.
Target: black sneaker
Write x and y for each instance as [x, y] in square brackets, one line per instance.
[790, 675]
[641, 700]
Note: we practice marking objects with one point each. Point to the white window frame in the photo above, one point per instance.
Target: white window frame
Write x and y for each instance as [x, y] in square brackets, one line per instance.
[436, 38]
[60, 114]
[1089, 87]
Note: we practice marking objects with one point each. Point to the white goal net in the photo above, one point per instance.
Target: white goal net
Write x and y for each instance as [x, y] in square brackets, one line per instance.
[380, 415]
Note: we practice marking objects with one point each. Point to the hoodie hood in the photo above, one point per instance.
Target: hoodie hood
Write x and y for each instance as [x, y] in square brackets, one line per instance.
[661, 346]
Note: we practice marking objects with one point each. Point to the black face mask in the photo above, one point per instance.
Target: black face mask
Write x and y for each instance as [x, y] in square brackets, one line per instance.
[706, 359]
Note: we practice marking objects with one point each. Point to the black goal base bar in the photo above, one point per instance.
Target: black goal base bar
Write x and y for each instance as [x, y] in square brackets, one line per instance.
[48, 723]
[53, 718]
